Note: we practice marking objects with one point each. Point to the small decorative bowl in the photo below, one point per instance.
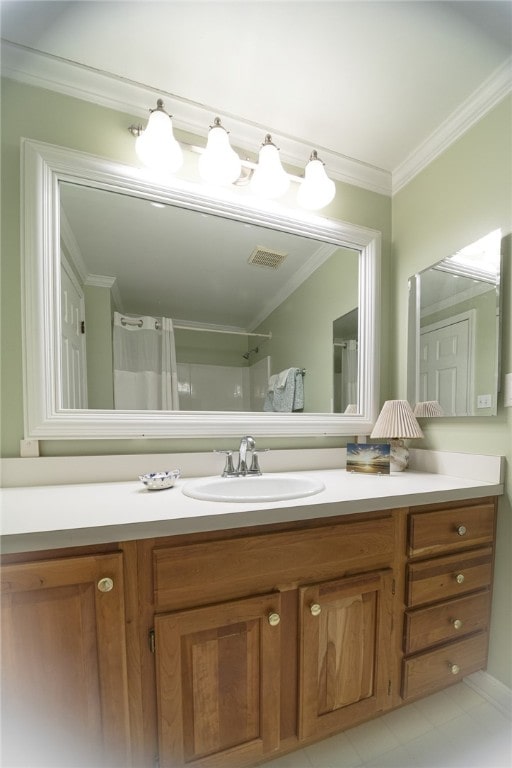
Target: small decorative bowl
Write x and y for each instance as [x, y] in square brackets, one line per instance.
[157, 481]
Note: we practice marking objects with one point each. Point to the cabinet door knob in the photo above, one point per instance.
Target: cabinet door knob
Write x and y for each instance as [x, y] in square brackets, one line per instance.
[105, 585]
[462, 530]
[454, 668]
[460, 578]
[315, 609]
[457, 624]
[274, 619]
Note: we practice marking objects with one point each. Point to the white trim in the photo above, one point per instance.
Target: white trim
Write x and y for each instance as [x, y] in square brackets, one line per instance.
[79, 81]
[485, 98]
[496, 692]
[43, 167]
[44, 70]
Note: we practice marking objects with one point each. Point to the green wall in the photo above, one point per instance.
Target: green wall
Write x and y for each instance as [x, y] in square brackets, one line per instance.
[461, 196]
[98, 342]
[51, 117]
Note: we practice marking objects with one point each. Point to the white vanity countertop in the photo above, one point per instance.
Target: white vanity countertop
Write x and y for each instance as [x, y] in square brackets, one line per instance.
[47, 517]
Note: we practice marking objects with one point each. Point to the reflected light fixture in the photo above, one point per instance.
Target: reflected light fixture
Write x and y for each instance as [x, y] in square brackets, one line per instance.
[428, 409]
[397, 421]
[269, 178]
[156, 146]
[219, 163]
[317, 190]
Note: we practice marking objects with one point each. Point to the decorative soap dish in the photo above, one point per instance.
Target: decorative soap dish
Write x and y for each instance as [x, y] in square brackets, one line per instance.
[157, 481]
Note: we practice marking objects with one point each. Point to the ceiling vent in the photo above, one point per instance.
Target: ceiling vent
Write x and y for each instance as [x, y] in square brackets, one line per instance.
[263, 257]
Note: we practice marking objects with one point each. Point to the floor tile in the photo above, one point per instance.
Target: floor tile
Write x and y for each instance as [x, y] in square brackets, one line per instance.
[335, 752]
[372, 739]
[439, 708]
[407, 723]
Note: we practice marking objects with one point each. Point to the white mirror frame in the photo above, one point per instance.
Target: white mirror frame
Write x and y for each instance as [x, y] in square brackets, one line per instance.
[43, 167]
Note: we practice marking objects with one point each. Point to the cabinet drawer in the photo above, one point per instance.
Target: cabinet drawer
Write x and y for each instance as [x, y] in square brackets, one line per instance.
[444, 530]
[443, 577]
[429, 672]
[198, 574]
[451, 620]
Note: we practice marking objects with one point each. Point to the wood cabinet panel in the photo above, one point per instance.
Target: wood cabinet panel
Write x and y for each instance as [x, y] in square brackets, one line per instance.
[64, 676]
[446, 621]
[436, 669]
[442, 577]
[197, 574]
[218, 679]
[344, 643]
[445, 530]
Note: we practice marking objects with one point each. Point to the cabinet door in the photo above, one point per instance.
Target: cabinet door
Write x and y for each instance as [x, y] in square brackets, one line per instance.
[345, 647]
[218, 679]
[64, 681]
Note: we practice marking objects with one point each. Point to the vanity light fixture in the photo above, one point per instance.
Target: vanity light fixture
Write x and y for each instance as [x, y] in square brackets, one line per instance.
[156, 146]
[428, 409]
[269, 178]
[219, 163]
[317, 190]
[397, 421]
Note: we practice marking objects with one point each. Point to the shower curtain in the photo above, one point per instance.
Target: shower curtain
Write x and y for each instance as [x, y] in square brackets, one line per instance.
[348, 373]
[145, 370]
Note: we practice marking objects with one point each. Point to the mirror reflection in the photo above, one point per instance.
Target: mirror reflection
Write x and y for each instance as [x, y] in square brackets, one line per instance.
[454, 331]
[168, 308]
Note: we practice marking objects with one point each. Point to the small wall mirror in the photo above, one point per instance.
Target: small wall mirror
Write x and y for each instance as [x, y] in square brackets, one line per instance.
[250, 290]
[454, 323]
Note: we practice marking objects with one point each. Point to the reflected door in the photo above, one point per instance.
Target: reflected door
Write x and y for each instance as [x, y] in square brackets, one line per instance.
[444, 366]
[74, 373]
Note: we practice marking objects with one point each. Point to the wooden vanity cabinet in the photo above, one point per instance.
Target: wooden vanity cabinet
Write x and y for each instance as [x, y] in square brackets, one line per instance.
[448, 594]
[268, 639]
[64, 675]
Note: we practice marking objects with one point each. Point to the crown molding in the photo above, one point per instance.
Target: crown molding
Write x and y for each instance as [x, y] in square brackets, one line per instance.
[485, 98]
[43, 70]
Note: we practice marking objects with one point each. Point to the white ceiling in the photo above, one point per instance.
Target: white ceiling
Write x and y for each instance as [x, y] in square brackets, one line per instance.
[379, 88]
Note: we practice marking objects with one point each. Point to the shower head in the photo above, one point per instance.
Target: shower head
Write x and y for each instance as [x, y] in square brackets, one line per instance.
[253, 351]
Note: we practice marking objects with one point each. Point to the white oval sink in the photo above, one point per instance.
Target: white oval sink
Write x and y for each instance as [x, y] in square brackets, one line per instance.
[272, 487]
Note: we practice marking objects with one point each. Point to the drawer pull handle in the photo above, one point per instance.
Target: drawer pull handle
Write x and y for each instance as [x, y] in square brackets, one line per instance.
[315, 609]
[454, 668]
[105, 585]
[462, 530]
[274, 619]
[457, 624]
[460, 578]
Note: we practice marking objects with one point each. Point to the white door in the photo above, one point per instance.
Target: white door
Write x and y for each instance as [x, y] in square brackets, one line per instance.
[74, 371]
[445, 365]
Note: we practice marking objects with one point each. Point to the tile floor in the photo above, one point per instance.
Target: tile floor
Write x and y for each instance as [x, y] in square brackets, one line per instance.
[455, 728]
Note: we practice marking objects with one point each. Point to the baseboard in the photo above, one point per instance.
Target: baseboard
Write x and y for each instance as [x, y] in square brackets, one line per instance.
[491, 689]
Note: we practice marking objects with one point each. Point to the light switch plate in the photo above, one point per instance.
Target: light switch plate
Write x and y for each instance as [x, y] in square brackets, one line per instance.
[484, 401]
[508, 390]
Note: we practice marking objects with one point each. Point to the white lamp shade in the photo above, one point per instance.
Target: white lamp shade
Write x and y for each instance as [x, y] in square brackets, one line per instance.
[428, 409]
[269, 178]
[156, 146]
[396, 420]
[219, 163]
[317, 190]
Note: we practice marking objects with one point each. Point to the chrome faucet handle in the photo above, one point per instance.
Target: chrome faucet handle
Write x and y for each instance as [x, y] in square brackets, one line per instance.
[229, 469]
[255, 464]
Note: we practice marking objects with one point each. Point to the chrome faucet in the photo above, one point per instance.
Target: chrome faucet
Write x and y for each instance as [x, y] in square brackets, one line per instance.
[247, 443]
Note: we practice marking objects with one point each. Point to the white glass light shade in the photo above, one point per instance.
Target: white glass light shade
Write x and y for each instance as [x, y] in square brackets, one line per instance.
[219, 163]
[317, 190]
[269, 178]
[156, 146]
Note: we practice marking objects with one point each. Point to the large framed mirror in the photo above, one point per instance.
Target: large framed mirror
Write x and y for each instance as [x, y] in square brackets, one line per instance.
[454, 331]
[238, 293]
